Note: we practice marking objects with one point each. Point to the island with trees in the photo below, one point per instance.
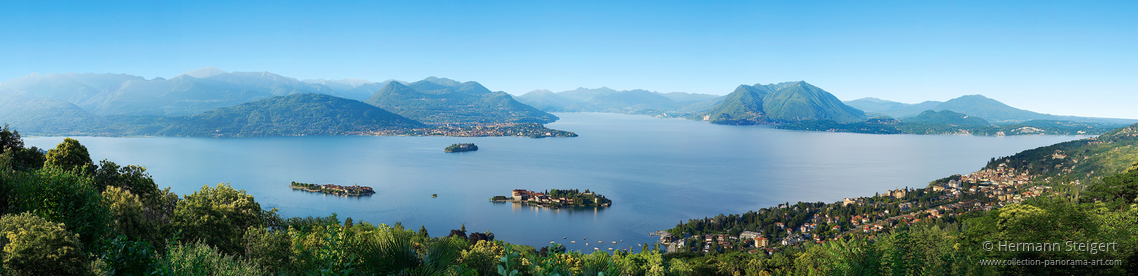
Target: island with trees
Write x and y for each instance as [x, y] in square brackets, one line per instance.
[461, 147]
[333, 189]
[557, 198]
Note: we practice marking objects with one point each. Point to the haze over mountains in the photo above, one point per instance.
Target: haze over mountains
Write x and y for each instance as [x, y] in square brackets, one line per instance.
[120, 104]
[975, 105]
[439, 100]
[605, 99]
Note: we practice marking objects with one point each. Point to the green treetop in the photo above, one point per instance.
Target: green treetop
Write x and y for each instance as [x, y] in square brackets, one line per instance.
[71, 156]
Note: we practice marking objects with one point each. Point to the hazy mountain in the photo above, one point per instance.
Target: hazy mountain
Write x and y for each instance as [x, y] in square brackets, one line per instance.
[70, 87]
[974, 105]
[205, 72]
[946, 117]
[189, 93]
[990, 109]
[782, 102]
[891, 108]
[605, 99]
[296, 114]
[443, 101]
[37, 115]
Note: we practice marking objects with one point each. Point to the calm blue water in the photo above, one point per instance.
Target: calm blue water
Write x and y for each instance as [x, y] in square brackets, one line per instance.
[657, 172]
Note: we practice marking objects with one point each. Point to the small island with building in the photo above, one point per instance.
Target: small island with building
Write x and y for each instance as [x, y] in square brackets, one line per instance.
[557, 198]
[333, 189]
[461, 147]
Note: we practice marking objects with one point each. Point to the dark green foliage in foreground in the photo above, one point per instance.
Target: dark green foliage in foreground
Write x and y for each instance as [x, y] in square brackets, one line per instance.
[218, 216]
[35, 246]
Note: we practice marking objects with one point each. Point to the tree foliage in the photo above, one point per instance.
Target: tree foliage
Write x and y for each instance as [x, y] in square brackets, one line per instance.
[71, 156]
[35, 246]
[218, 216]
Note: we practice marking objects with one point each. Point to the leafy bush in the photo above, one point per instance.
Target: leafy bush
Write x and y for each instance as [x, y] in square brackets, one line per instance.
[35, 246]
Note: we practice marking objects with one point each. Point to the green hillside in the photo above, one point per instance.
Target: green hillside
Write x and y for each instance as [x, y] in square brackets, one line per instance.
[456, 104]
[946, 117]
[1086, 160]
[782, 102]
[297, 114]
[741, 107]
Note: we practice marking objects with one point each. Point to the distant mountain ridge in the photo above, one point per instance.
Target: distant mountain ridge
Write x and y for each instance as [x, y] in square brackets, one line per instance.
[605, 99]
[295, 114]
[189, 93]
[974, 105]
[442, 101]
[119, 104]
[781, 102]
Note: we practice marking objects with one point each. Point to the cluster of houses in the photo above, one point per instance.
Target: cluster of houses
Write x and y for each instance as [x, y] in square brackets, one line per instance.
[1003, 184]
[354, 190]
[522, 195]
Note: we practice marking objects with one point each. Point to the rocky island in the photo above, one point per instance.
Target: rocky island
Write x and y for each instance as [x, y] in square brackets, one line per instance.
[557, 198]
[333, 189]
[461, 147]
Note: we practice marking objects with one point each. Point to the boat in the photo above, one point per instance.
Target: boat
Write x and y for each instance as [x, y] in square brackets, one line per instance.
[613, 242]
[572, 241]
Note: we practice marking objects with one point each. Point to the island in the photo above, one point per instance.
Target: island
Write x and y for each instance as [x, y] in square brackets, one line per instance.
[333, 189]
[461, 147]
[557, 198]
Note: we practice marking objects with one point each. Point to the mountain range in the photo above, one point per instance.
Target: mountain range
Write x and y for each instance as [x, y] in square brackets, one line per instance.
[119, 104]
[250, 103]
[444, 101]
[974, 105]
[609, 100]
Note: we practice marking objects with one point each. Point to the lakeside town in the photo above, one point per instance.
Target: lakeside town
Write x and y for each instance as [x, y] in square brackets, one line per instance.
[532, 130]
[556, 198]
[786, 225]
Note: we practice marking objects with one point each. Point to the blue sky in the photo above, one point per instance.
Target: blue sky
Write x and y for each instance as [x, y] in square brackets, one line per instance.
[1067, 58]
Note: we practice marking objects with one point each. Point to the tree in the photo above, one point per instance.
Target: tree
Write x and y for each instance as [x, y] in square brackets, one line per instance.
[10, 139]
[70, 156]
[127, 211]
[36, 246]
[1120, 187]
[59, 196]
[26, 159]
[130, 178]
[218, 216]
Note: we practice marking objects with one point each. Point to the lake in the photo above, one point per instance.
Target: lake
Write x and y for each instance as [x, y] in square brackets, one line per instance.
[657, 172]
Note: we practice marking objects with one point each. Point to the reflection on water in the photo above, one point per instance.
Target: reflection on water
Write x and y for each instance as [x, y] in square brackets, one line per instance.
[521, 206]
